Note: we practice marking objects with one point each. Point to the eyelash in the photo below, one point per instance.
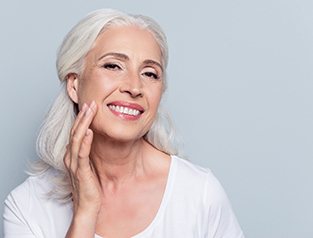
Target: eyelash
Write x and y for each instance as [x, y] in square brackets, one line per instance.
[113, 66]
[151, 75]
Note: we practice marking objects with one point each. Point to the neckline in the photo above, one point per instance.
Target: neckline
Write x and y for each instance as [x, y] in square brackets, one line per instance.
[164, 202]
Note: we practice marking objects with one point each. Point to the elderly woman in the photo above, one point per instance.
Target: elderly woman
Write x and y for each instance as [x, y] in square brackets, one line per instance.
[108, 167]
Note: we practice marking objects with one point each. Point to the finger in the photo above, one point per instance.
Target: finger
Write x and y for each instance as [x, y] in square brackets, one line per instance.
[81, 130]
[75, 140]
[66, 158]
[81, 115]
[67, 161]
[78, 118]
[83, 155]
[70, 163]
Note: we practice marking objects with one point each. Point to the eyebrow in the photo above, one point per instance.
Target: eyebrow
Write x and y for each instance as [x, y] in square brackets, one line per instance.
[125, 57]
[152, 62]
[117, 55]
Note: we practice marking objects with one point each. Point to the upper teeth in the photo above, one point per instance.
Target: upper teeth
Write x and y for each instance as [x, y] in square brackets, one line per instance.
[124, 110]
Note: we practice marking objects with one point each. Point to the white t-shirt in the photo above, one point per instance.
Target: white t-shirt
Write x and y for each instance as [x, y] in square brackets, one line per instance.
[194, 205]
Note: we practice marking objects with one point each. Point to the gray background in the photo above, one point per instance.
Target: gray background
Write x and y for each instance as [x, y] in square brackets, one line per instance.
[240, 93]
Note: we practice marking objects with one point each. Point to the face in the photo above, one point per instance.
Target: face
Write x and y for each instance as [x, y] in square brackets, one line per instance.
[124, 76]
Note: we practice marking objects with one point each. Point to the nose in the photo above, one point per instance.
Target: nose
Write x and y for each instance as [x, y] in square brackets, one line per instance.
[132, 84]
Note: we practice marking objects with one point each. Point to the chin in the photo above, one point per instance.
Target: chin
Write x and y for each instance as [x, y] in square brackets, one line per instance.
[119, 131]
[120, 134]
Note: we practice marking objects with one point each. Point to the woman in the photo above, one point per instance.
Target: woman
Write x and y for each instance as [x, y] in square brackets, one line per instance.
[120, 176]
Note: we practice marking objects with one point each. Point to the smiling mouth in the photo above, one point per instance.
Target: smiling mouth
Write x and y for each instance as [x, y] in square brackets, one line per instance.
[125, 110]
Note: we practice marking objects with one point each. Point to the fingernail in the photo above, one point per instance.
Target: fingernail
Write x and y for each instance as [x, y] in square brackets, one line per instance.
[84, 107]
[88, 111]
[92, 104]
[88, 132]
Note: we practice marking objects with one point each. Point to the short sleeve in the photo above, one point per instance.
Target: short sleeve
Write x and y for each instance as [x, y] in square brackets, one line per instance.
[220, 218]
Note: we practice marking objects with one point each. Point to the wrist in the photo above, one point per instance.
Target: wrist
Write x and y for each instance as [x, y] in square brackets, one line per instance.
[83, 225]
[85, 216]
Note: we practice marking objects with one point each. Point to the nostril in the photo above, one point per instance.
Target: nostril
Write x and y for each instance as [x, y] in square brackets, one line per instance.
[132, 91]
[136, 92]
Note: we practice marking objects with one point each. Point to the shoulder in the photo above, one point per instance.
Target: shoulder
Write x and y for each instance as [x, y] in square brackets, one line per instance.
[30, 209]
[199, 185]
[33, 192]
[202, 190]
[197, 176]
[33, 186]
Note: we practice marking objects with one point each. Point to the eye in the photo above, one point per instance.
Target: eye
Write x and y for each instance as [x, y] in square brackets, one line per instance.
[111, 66]
[151, 75]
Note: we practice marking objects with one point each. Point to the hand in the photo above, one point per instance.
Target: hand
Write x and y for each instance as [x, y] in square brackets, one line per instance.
[86, 189]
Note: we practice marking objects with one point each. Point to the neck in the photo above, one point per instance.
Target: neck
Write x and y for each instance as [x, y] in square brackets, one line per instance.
[116, 162]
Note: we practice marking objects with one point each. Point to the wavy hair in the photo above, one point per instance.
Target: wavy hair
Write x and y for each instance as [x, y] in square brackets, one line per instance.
[54, 133]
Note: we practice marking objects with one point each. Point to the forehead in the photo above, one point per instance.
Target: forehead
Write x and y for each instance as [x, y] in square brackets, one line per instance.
[130, 40]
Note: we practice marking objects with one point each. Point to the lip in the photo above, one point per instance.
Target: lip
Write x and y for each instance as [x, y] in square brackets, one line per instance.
[129, 105]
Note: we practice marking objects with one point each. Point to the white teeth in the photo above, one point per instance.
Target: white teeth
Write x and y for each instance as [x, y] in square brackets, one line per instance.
[124, 110]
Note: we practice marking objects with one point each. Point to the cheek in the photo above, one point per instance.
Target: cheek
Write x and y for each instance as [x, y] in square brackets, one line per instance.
[155, 99]
[96, 89]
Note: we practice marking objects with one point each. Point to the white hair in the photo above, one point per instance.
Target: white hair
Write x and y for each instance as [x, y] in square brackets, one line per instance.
[55, 130]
